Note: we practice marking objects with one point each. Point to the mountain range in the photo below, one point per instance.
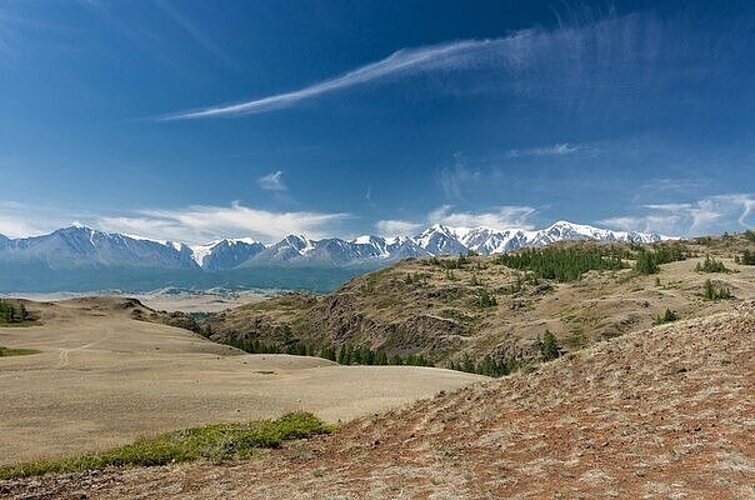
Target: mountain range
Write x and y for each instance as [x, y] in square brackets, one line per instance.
[76, 247]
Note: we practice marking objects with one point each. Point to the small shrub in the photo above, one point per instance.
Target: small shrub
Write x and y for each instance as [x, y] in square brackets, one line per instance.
[486, 299]
[549, 347]
[748, 258]
[712, 292]
[711, 265]
[668, 317]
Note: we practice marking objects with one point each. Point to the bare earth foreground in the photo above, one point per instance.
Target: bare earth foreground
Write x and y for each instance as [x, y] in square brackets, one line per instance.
[663, 413]
[104, 379]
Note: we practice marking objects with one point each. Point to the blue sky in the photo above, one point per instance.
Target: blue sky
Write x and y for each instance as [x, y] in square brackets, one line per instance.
[194, 120]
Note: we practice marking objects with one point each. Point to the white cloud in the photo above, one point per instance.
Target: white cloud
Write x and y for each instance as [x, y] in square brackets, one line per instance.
[562, 149]
[199, 224]
[390, 228]
[272, 181]
[705, 216]
[400, 62]
[453, 180]
[598, 55]
[505, 217]
[18, 220]
[195, 33]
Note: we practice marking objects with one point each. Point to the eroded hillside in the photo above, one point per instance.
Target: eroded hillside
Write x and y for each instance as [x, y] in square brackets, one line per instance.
[450, 312]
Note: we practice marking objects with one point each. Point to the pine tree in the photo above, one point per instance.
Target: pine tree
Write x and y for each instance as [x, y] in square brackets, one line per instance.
[646, 263]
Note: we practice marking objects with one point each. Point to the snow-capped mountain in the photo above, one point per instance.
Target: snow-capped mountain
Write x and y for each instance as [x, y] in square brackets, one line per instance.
[226, 253]
[78, 246]
[289, 249]
[441, 240]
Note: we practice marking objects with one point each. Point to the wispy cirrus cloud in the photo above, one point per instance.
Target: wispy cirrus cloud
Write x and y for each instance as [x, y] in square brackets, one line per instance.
[504, 217]
[561, 149]
[453, 180]
[272, 181]
[591, 55]
[711, 214]
[400, 62]
[183, 21]
[394, 227]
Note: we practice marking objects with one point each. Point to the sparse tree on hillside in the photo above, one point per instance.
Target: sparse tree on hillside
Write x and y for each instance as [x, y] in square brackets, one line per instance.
[549, 347]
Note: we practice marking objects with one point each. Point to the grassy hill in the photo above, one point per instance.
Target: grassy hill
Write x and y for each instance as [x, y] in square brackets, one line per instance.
[663, 412]
[462, 313]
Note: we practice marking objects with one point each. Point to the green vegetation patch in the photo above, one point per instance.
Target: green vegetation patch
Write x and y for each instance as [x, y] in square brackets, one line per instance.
[668, 317]
[13, 314]
[7, 352]
[217, 442]
[711, 265]
[711, 291]
[747, 258]
[564, 264]
[649, 262]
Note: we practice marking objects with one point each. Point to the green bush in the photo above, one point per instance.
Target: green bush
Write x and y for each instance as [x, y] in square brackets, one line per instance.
[12, 312]
[713, 292]
[487, 299]
[747, 258]
[668, 317]
[217, 442]
[711, 265]
[549, 347]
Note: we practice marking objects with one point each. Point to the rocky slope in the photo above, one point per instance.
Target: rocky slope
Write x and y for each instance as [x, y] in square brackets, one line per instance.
[664, 412]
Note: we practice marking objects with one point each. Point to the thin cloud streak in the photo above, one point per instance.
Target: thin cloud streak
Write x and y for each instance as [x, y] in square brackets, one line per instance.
[562, 149]
[402, 61]
[570, 59]
[272, 181]
[707, 215]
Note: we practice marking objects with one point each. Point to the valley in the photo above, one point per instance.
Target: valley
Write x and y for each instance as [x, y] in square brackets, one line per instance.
[102, 379]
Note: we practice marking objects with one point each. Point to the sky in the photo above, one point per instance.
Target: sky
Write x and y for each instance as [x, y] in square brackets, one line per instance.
[192, 120]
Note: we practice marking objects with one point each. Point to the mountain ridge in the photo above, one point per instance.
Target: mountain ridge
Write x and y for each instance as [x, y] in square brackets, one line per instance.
[80, 246]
